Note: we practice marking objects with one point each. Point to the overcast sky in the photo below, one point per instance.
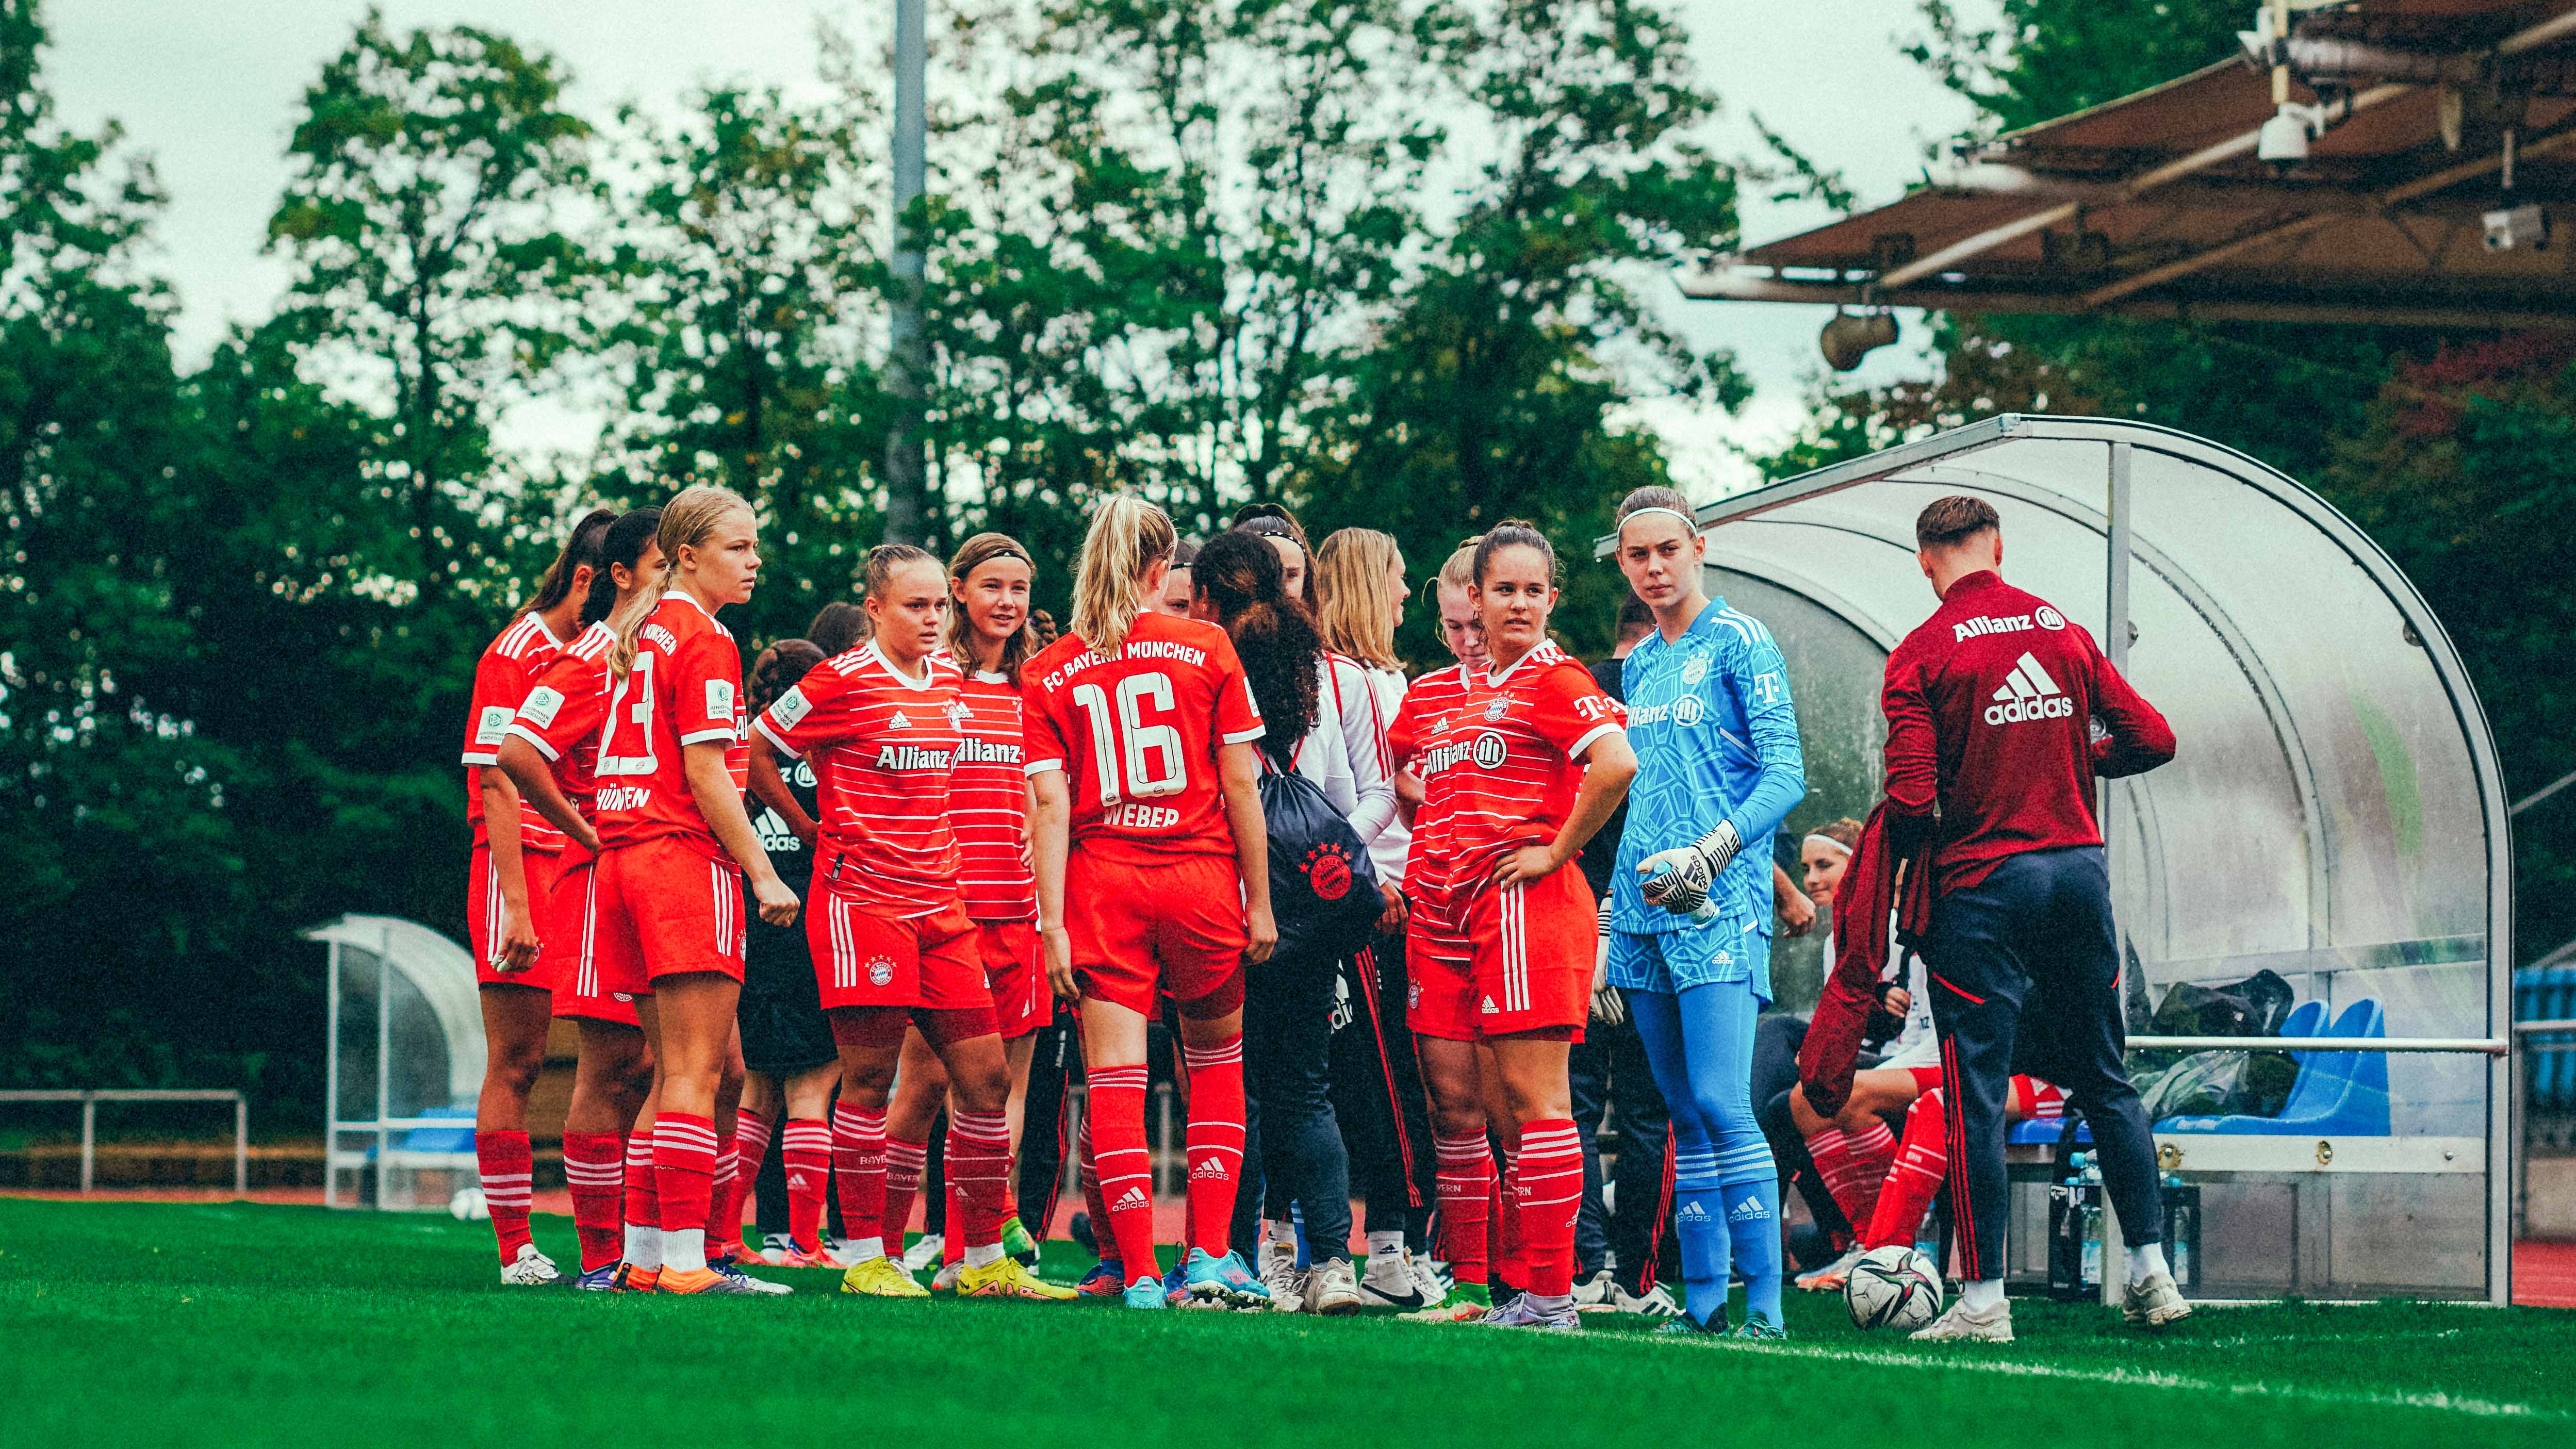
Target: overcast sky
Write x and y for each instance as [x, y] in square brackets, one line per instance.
[210, 91]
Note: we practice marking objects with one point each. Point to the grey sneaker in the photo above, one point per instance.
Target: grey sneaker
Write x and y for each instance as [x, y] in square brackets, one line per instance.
[2154, 1302]
[1964, 1324]
[1524, 1311]
[1332, 1288]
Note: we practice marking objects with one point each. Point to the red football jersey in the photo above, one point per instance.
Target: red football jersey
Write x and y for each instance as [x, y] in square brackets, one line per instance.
[509, 664]
[1497, 759]
[1137, 736]
[988, 802]
[685, 688]
[1424, 715]
[883, 747]
[562, 713]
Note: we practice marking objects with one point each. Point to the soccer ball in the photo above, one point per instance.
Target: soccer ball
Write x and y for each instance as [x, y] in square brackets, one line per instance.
[1893, 1287]
[468, 1205]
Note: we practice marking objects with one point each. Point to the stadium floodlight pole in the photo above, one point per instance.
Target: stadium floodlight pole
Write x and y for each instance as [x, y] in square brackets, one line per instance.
[907, 361]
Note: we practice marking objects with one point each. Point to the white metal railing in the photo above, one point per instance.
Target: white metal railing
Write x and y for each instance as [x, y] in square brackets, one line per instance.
[2486, 1046]
[89, 1101]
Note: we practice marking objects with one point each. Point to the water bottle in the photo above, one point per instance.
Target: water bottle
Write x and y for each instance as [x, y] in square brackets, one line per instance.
[2089, 1194]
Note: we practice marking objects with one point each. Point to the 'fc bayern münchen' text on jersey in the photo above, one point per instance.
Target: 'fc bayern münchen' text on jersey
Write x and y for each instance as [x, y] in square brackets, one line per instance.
[1424, 713]
[884, 746]
[1716, 740]
[563, 711]
[1500, 767]
[1136, 735]
[509, 664]
[2005, 713]
[685, 688]
[988, 802]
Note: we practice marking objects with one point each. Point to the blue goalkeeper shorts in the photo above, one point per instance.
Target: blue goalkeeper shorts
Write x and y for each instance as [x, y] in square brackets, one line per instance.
[1733, 947]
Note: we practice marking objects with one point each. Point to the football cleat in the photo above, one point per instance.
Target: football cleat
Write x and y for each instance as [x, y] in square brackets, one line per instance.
[739, 1254]
[1332, 1288]
[602, 1279]
[2154, 1302]
[631, 1279]
[1015, 1237]
[1006, 1278]
[745, 1283]
[1176, 1284]
[1524, 1312]
[821, 1257]
[1831, 1277]
[1393, 1280]
[774, 1248]
[925, 1250]
[530, 1269]
[1105, 1280]
[1684, 1326]
[881, 1277]
[1965, 1324]
[945, 1280]
[707, 1281]
[1465, 1303]
[1221, 1282]
[1146, 1293]
[1758, 1329]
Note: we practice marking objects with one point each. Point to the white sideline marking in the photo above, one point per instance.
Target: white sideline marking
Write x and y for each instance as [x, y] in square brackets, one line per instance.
[2141, 1378]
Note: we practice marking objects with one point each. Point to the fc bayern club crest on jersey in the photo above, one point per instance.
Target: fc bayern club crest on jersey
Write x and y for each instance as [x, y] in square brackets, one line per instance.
[1696, 670]
[880, 972]
[1497, 709]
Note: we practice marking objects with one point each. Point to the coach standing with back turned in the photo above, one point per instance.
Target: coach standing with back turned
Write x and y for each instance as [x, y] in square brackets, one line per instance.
[2002, 715]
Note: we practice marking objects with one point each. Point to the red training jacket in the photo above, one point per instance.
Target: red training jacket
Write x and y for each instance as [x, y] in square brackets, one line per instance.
[2004, 713]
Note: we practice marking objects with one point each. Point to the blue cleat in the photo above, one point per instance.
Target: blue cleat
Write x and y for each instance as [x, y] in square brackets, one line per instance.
[1222, 1282]
[602, 1279]
[1176, 1286]
[1107, 1279]
[1146, 1293]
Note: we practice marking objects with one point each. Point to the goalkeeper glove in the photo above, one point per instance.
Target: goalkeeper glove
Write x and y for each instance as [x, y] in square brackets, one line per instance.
[1679, 880]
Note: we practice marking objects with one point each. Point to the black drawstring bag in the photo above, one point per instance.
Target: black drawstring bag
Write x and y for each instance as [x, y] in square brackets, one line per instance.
[1323, 890]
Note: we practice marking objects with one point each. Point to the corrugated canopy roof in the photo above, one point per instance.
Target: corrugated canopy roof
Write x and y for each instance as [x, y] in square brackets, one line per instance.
[2159, 204]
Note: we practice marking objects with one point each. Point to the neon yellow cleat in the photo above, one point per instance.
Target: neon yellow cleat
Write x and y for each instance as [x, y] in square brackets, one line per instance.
[1005, 1278]
[881, 1277]
[1015, 1237]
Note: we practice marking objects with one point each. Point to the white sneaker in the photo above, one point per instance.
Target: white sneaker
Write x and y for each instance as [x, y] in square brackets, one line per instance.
[1655, 1302]
[1831, 1277]
[1287, 1285]
[925, 1250]
[1393, 1280]
[1964, 1324]
[1434, 1277]
[1332, 1288]
[1594, 1292]
[841, 1252]
[2154, 1302]
[530, 1269]
[945, 1280]
[774, 1248]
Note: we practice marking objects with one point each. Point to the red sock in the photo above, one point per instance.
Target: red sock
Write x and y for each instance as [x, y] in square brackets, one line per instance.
[859, 1161]
[806, 1152]
[1215, 1148]
[1093, 1201]
[595, 1168]
[905, 1162]
[1853, 1164]
[508, 1172]
[952, 1245]
[724, 1233]
[684, 1169]
[1125, 1168]
[1547, 1185]
[751, 1148]
[643, 1205]
[1912, 1183]
[1466, 1188]
[1508, 1267]
[979, 1177]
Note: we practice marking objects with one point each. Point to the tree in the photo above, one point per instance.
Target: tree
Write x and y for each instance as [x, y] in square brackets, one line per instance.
[427, 221]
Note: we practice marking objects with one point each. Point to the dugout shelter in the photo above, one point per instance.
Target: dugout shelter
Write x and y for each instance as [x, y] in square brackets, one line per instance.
[2335, 816]
[402, 1064]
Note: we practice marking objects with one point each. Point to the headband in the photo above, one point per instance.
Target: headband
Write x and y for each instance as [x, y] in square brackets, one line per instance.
[1687, 521]
[1829, 840]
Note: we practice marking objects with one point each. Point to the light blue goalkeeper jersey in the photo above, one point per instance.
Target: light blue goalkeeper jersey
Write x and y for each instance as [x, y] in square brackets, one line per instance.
[1716, 739]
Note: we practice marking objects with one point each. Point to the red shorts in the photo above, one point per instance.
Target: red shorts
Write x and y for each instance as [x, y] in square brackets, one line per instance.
[865, 959]
[1022, 1001]
[483, 927]
[1533, 946]
[2029, 1099]
[569, 952]
[1171, 929]
[662, 909]
[1440, 987]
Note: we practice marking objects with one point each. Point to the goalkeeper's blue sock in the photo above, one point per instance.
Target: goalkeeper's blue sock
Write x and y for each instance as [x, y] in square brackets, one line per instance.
[1700, 1213]
[1753, 1222]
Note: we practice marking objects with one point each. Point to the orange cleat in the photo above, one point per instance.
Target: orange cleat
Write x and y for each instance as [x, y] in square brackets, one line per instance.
[702, 1280]
[631, 1279]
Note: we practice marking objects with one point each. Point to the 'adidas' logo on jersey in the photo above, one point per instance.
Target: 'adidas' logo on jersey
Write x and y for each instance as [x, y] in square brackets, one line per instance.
[2028, 693]
[1134, 1197]
[1750, 1210]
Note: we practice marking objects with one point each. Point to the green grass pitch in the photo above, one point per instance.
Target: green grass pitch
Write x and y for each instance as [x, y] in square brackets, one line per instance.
[170, 1325]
